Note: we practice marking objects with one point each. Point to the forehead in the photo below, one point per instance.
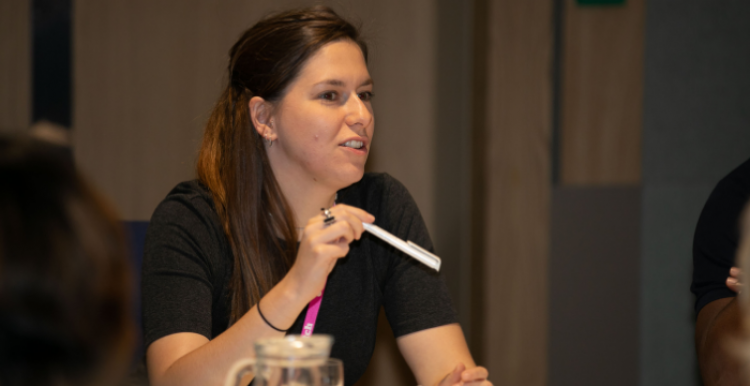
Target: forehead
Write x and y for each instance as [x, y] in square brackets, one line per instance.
[340, 60]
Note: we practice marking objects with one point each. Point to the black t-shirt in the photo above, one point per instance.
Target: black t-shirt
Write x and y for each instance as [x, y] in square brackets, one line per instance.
[187, 266]
[717, 237]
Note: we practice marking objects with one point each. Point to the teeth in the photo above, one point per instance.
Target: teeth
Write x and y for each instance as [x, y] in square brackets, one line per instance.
[354, 144]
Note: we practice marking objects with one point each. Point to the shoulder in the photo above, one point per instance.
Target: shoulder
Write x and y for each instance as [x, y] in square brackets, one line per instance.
[724, 205]
[191, 191]
[736, 182]
[185, 226]
[189, 197]
[730, 194]
[186, 212]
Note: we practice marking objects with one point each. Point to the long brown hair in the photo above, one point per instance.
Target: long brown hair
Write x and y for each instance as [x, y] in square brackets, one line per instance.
[233, 163]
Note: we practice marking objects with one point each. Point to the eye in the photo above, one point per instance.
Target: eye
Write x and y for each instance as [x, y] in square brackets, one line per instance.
[330, 96]
[365, 96]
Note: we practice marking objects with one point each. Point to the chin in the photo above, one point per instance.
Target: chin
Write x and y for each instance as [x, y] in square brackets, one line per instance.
[350, 176]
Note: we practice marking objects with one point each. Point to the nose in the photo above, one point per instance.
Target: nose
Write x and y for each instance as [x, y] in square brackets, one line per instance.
[358, 112]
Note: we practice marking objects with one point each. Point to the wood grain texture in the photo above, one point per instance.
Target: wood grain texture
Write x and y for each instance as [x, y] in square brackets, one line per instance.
[602, 94]
[15, 65]
[518, 120]
[146, 76]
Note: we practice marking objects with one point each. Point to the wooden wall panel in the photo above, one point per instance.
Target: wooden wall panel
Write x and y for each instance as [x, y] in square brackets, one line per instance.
[453, 156]
[518, 120]
[146, 76]
[15, 65]
[403, 39]
[602, 94]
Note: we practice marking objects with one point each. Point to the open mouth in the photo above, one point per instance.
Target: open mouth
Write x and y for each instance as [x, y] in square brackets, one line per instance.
[354, 144]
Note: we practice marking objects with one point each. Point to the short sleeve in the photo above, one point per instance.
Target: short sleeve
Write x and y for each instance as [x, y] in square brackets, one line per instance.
[178, 273]
[717, 236]
[415, 297]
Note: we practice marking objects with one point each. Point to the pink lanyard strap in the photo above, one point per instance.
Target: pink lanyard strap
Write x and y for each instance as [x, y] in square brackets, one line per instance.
[312, 314]
[314, 307]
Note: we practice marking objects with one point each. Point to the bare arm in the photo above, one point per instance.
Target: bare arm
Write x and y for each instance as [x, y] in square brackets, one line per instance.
[440, 356]
[191, 359]
[718, 322]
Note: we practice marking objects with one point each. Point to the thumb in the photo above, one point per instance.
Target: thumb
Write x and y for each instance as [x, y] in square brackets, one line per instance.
[454, 376]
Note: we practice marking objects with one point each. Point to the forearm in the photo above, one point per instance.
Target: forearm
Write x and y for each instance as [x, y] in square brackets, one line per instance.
[434, 353]
[717, 324]
[187, 362]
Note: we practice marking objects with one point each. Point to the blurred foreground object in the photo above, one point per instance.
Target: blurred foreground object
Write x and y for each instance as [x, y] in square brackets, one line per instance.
[51, 132]
[65, 281]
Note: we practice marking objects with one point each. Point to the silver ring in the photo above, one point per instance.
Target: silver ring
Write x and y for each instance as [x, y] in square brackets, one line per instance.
[329, 218]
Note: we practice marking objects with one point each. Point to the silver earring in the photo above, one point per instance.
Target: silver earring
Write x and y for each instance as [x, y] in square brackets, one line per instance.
[268, 137]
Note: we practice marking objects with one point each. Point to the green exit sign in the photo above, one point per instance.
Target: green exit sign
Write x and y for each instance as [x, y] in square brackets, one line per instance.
[600, 2]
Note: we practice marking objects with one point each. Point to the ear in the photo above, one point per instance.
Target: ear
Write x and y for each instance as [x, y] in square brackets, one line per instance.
[260, 114]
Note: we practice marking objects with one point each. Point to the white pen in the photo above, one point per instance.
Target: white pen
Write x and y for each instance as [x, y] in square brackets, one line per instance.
[422, 255]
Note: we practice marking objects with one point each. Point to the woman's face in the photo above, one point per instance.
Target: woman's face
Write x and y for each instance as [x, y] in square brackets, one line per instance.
[324, 124]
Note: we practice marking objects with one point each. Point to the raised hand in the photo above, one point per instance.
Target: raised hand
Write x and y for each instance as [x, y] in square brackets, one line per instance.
[733, 281]
[322, 244]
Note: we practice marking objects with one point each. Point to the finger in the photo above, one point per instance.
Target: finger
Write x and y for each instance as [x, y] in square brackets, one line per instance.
[329, 253]
[338, 251]
[478, 383]
[734, 285]
[735, 272]
[454, 376]
[475, 374]
[343, 214]
[333, 233]
[355, 222]
[362, 215]
[319, 222]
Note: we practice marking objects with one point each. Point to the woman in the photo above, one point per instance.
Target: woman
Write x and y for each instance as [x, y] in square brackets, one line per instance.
[239, 254]
[65, 284]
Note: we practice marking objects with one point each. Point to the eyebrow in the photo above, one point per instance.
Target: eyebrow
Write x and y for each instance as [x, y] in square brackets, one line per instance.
[340, 83]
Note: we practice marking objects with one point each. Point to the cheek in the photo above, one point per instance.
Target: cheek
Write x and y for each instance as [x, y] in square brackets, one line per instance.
[323, 127]
[315, 158]
[312, 122]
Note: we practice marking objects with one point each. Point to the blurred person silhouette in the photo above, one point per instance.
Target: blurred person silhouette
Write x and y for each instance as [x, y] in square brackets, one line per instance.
[716, 279]
[65, 279]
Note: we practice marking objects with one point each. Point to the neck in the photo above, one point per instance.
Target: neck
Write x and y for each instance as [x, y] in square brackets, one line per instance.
[305, 196]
